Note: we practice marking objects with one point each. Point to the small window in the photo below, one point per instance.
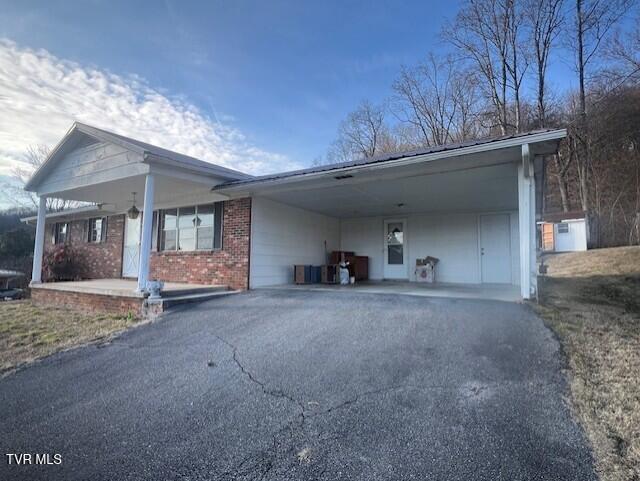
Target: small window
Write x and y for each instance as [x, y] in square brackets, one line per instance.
[97, 230]
[563, 228]
[61, 233]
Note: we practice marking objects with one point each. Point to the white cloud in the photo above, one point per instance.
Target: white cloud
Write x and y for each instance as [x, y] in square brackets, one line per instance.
[41, 95]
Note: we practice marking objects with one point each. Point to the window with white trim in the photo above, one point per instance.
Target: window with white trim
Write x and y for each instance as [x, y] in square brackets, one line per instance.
[563, 228]
[191, 228]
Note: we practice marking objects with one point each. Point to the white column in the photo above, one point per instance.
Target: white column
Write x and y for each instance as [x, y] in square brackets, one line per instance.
[533, 232]
[38, 248]
[526, 223]
[147, 232]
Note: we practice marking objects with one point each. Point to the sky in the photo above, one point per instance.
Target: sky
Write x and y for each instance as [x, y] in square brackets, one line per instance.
[259, 86]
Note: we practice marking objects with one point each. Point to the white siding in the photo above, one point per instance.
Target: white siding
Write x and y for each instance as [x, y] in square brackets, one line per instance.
[452, 238]
[92, 164]
[364, 236]
[574, 240]
[282, 236]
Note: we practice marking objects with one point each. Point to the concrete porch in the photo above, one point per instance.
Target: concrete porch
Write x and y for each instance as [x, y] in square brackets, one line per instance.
[126, 288]
[120, 296]
[496, 292]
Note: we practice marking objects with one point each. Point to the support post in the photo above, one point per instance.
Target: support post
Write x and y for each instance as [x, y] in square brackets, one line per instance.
[147, 232]
[527, 224]
[38, 248]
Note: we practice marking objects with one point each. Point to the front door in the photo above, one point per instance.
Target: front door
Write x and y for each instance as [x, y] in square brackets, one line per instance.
[131, 250]
[395, 251]
[495, 248]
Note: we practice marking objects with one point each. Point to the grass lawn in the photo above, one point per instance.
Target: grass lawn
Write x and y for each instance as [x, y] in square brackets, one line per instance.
[29, 332]
[592, 302]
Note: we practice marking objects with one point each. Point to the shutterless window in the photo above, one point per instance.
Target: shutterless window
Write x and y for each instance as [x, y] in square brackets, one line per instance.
[97, 231]
[563, 228]
[61, 233]
[191, 228]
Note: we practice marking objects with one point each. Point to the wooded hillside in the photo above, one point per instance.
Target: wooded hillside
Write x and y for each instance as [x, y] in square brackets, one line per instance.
[492, 77]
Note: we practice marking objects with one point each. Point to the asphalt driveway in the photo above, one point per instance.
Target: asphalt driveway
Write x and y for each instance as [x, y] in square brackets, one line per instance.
[304, 385]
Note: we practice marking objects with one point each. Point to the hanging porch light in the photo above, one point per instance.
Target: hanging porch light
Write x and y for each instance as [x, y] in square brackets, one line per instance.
[133, 212]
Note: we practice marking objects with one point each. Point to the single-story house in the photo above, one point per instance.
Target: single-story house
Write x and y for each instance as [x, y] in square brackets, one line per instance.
[472, 205]
[563, 232]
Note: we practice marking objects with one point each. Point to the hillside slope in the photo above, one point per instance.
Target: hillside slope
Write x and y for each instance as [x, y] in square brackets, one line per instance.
[592, 302]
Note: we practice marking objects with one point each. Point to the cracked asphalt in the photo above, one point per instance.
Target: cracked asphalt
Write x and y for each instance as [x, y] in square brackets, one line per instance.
[289, 385]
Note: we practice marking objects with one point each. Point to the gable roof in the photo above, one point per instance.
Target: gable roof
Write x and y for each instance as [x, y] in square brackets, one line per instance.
[431, 152]
[149, 152]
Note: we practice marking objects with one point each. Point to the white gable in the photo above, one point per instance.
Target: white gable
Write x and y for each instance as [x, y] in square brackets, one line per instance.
[82, 160]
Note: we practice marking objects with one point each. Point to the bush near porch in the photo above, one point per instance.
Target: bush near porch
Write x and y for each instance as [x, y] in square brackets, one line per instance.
[591, 300]
[29, 332]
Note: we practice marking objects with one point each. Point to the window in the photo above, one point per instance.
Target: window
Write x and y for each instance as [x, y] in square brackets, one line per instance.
[97, 231]
[61, 233]
[563, 228]
[191, 228]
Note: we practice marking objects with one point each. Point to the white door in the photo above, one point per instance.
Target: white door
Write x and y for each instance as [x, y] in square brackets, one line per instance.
[495, 248]
[395, 249]
[131, 250]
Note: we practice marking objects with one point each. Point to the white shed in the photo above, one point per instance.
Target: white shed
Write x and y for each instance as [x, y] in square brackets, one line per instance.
[564, 232]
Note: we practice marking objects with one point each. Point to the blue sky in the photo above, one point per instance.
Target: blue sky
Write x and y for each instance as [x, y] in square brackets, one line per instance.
[275, 77]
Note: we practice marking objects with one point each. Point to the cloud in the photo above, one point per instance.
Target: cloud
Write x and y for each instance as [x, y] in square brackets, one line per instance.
[41, 95]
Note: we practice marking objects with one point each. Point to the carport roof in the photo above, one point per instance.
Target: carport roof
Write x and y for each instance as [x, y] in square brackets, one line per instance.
[429, 153]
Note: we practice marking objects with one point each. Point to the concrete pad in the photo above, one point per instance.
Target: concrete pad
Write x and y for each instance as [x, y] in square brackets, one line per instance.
[496, 292]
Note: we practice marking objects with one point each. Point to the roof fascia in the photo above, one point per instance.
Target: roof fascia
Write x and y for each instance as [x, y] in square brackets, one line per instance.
[468, 150]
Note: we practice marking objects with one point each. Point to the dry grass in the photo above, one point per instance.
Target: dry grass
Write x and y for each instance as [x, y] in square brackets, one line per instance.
[592, 301]
[29, 332]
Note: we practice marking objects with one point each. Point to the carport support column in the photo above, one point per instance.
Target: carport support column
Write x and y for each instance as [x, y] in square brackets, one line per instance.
[147, 233]
[38, 248]
[527, 224]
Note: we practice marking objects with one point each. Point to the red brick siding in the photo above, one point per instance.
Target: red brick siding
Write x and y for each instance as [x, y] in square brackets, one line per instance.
[94, 260]
[88, 302]
[227, 266]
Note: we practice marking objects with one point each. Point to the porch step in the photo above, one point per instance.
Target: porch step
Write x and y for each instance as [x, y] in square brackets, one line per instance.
[187, 290]
[173, 300]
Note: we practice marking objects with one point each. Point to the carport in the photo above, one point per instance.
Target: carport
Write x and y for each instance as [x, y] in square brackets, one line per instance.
[472, 205]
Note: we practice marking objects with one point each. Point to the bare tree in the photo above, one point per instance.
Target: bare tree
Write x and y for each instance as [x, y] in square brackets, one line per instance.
[438, 100]
[488, 33]
[624, 53]
[593, 25]
[34, 157]
[518, 64]
[544, 20]
[362, 134]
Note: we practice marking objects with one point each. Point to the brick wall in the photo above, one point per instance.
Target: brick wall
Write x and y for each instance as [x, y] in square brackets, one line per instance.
[93, 260]
[83, 301]
[227, 266]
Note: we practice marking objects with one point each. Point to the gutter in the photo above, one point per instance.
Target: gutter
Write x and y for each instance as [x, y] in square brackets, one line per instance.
[384, 164]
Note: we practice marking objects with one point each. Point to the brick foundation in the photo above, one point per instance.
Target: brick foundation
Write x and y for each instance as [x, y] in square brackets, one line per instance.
[89, 302]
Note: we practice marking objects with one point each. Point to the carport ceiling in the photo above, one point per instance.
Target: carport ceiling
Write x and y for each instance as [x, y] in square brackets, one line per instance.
[491, 188]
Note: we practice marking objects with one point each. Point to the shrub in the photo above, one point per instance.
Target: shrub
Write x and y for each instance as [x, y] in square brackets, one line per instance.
[60, 264]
